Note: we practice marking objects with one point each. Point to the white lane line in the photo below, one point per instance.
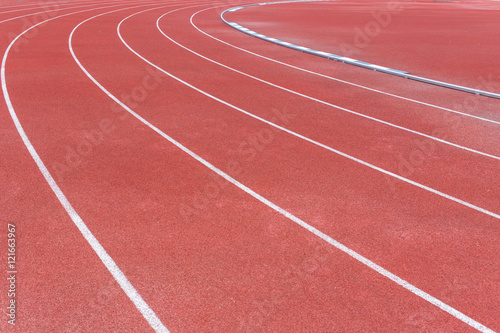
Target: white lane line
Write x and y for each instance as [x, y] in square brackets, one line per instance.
[60, 3]
[374, 167]
[337, 79]
[106, 259]
[330, 104]
[21, 5]
[408, 286]
[36, 5]
[19, 10]
[31, 5]
[60, 9]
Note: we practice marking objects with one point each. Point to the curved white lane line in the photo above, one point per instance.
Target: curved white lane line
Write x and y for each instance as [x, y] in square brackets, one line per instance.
[337, 79]
[406, 180]
[326, 103]
[35, 5]
[408, 286]
[112, 267]
[19, 10]
[60, 9]
[46, 4]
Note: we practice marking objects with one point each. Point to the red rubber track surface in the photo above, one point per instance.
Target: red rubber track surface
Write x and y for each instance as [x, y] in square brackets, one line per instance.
[455, 42]
[203, 254]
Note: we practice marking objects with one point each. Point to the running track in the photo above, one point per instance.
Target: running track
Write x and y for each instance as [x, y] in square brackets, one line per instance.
[182, 176]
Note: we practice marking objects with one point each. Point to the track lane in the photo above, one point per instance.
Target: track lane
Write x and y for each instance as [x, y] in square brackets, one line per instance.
[45, 5]
[146, 108]
[88, 304]
[39, 16]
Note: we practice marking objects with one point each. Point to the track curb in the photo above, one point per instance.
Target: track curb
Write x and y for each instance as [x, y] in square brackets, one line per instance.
[347, 60]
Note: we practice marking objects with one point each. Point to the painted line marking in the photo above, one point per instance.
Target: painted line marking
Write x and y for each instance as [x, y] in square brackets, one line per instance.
[80, 5]
[106, 259]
